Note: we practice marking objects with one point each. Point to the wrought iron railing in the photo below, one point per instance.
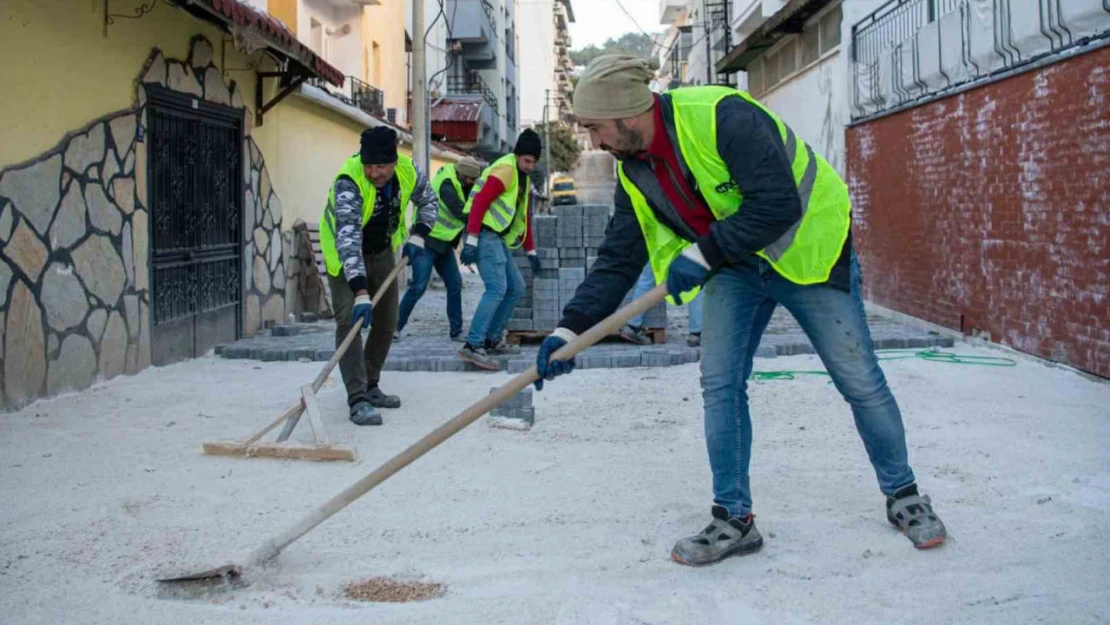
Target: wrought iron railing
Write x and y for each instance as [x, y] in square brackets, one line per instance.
[472, 85]
[355, 93]
[890, 71]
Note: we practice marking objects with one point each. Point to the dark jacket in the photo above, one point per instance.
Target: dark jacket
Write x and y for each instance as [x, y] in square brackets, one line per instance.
[748, 142]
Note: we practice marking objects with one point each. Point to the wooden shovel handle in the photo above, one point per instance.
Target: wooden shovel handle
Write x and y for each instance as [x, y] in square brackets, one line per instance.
[608, 326]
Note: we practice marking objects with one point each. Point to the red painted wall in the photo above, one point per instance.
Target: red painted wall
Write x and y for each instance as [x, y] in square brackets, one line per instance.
[990, 210]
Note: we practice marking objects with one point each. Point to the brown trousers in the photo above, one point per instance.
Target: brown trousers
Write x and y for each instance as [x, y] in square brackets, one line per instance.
[362, 368]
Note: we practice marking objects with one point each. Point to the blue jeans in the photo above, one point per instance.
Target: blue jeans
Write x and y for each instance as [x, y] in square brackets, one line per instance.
[646, 283]
[739, 301]
[504, 287]
[447, 266]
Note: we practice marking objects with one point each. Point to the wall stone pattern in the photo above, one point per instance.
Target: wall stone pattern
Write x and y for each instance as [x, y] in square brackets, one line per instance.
[75, 294]
[987, 211]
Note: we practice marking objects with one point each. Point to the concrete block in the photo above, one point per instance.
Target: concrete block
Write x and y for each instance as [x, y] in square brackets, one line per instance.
[519, 366]
[595, 360]
[572, 274]
[624, 360]
[766, 351]
[448, 364]
[656, 357]
[520, 325]
[572, 263]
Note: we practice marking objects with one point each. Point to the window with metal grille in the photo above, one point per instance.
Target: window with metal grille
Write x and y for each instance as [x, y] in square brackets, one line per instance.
[391, 115]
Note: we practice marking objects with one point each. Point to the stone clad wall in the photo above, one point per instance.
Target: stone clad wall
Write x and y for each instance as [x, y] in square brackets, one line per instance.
[74, 247]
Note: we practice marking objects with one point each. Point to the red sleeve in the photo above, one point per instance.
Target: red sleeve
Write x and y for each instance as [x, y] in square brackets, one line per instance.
[491, 190]
[529, 244]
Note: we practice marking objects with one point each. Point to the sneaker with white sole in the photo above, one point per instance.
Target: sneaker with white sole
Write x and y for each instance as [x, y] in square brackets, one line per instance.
[634, 334]
[501, 348]
[478, 357]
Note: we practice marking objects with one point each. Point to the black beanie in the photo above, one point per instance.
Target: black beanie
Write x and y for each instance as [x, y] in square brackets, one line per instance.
[528, 143]
[379, 146]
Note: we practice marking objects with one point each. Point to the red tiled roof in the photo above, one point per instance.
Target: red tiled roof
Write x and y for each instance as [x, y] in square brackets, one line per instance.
[279, 36]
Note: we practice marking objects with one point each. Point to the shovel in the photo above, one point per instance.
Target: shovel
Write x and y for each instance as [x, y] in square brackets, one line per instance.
[274, 546]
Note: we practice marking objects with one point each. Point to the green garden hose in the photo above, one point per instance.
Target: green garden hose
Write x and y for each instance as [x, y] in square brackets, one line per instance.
[932, 355]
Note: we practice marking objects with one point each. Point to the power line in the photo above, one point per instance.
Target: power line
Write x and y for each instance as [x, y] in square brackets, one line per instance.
[641, 28]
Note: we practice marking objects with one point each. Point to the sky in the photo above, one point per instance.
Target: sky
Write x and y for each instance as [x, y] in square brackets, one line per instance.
[598, 20]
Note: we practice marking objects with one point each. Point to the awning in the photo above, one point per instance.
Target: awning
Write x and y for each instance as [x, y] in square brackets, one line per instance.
[256, 30]
[457, 121]
[789, 20]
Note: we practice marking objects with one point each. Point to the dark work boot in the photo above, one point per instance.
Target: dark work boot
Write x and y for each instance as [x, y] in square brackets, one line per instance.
[378, 399]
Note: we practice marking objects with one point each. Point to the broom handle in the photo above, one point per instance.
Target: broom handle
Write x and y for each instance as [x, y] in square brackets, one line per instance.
[608, 326]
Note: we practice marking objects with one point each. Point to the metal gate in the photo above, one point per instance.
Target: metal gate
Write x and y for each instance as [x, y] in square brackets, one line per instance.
[196, 208]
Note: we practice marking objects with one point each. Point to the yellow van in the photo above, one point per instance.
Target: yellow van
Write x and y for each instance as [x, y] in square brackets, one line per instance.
[563, 191]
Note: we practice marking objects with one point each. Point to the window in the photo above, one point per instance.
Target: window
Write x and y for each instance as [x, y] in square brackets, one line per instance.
[391, 115]
[755, 77]
[830, 29]
[376, 75]
[563, 186]
[788, 58]
[796, 53]
[811, 45]
[316, 37]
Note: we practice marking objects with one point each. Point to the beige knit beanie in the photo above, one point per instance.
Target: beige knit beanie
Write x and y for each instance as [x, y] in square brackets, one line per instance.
[468, 166]
[615, 86]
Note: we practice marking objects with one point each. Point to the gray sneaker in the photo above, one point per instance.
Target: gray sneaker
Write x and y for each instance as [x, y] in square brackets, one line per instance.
[501, 348]
[362, 413]
[694, 339]
[725, 536]
[479, 358]
[632, 334]
[913, 514]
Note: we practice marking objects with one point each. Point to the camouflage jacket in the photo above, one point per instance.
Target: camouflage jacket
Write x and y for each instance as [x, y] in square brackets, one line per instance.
[348, 217]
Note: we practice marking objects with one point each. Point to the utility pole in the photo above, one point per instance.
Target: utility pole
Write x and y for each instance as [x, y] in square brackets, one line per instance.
[547, 142]
[419, 89]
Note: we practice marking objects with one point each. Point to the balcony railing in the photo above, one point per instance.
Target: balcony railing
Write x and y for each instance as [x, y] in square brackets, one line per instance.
[355, 93]
[910, 51]
[472, 85]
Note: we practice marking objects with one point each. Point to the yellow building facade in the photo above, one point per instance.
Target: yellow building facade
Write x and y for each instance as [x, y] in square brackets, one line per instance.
[144, 209]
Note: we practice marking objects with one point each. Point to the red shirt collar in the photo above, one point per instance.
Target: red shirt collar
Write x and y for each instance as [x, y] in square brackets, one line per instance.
[661, 143]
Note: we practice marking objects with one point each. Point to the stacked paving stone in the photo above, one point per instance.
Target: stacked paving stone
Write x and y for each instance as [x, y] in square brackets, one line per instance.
[567, 245]
[518, 406]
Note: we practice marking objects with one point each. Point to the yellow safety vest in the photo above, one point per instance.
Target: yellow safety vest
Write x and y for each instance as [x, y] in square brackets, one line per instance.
[807, 252]
[447, 226]
[504, 215]
[352, 168]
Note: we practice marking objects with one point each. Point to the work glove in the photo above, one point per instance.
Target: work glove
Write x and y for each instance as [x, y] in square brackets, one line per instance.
[414, 247]
[363, 310]
[687, 271]
[548, 368]
[469, 254]
[534, 259]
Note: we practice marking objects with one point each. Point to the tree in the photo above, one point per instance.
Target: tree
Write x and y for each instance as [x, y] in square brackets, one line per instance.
[564, 152]
[636, 44]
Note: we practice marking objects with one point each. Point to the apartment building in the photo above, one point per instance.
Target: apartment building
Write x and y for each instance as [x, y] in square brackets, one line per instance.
[479, 111]
[545, 60]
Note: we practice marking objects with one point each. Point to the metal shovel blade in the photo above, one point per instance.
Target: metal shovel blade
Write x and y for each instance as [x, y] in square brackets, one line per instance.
[230, 571]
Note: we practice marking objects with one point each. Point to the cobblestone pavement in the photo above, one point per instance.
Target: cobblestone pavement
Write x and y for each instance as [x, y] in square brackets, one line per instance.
[425, 345]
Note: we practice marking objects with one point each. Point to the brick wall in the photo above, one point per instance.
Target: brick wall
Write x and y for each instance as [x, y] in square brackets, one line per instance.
[989, 211]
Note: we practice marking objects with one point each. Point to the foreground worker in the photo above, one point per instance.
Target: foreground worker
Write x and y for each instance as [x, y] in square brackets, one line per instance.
[362, 228]
[452, 185]
[499, 220]
[736, 203]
